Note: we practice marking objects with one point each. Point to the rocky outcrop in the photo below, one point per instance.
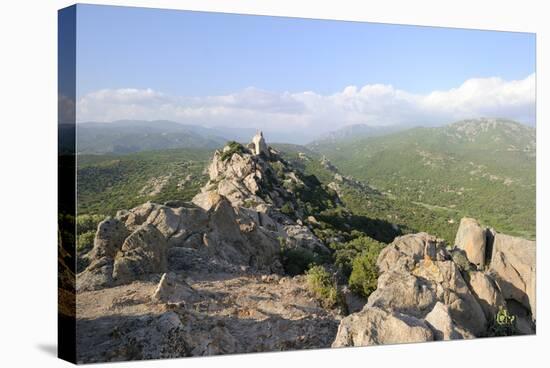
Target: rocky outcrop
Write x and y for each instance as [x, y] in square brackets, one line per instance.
[449, 290]
[471, 237]
[416, 272]
[513, 265]
[108, 240]
[375, 326]
[418, 281]
[236, 222]
[109, 237]
[441, 323]
[143, 253]
[260, 147]
[487, 293]
[509, 260]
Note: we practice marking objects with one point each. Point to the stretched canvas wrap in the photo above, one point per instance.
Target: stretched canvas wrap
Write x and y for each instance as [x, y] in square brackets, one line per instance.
[237, 183]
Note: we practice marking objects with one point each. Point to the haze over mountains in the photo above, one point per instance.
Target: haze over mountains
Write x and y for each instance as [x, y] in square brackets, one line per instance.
[126, 136]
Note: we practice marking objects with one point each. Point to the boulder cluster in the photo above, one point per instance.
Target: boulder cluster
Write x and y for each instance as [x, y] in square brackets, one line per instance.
[427, 291]
[234, 223]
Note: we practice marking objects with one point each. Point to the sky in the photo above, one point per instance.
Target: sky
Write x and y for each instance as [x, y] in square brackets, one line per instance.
[217, 69]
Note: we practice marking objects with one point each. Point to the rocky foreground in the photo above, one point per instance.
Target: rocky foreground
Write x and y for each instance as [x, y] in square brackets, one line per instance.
[205, 277]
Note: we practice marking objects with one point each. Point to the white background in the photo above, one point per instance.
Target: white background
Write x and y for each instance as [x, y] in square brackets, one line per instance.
[28, 164]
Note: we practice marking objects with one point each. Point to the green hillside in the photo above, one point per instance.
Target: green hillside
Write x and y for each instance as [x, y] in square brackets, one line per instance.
[107, 183]
[480, 168]
[127, 136]
[362, 200]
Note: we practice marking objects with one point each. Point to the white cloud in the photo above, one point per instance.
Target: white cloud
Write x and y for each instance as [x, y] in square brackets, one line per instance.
[375, 104]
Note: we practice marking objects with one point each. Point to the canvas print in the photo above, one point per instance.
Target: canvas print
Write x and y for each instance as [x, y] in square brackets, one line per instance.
[236, 183]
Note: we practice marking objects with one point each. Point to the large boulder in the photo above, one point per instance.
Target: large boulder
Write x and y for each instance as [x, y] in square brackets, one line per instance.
[472, 238]
[108, 239]
[236, 238]
[375, 326]
[143, 252]
[411, 248]
[452, 290]
[298, 236]
[513, 265]
[137, 216]
[442, 325]
[486, 292]
[405, 293]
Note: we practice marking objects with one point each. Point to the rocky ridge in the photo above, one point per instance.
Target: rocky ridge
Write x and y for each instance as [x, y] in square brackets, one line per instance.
[235, 223]
[207, 273]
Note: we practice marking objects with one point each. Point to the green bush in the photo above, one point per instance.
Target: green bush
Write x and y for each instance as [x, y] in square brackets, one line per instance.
[364, 275]
[297, 260]
[287, 209]
[234, 147]
[504, 324]
[87, 223]
[346, 253]
[321, 284]
[85, 242]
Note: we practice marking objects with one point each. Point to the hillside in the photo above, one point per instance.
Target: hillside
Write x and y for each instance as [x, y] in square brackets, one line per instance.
[356, 131]
[106, 183]
[390, 212]
[126, 136]
[481, 168]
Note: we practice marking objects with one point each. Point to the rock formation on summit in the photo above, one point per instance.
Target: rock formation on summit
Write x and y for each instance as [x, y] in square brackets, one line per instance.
[236, 222]
[260, 147]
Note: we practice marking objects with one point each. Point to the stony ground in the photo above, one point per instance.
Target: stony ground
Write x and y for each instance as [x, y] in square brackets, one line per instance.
[227, 313]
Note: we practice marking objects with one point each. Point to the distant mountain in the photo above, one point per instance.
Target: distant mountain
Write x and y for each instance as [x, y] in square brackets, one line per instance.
[128, 136]
[484, 168]
[356, 131]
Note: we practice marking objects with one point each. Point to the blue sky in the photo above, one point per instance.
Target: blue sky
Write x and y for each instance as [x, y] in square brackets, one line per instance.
[195, 53]
[176, 55]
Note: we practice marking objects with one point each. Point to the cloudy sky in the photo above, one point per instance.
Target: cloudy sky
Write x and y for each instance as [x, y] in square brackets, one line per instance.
[294, 74]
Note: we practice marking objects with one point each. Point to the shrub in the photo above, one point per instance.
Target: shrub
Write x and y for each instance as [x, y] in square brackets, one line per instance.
[234, 147]
[346, 253]
[85, 242]
[87, 223]
[321, 284]
[504, 324]
[297, 260]
[364, 275]
[287, 209]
